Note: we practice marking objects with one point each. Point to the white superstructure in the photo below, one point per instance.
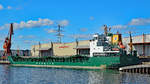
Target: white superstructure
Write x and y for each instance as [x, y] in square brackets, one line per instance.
[100, 45]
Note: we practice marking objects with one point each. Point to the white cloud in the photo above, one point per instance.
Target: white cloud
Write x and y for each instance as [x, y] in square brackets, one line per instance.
[4, 26]
[1, 7]
[30, 24]
[91, 18]
[119, 26]
[83, 29]
[51, 30]
[82, 36]
[30, 36]
[30, 42]
[26, 37]
[34, 23]
[21, 36]
[140, 21]
[27, 41]
[18, 8]
[9, 7]
[1, 39]
[134, 22]
[64, 22]
[47, 40]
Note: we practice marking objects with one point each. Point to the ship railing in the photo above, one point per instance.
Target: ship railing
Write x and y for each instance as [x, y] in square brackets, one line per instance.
[116, 54]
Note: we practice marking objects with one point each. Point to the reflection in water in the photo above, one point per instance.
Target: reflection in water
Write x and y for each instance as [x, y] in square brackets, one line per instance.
[4, 74]
[103, 77]
[135, 78]
[25, 75]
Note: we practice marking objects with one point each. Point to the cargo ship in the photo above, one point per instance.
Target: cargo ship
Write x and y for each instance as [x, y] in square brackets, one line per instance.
[106, 51]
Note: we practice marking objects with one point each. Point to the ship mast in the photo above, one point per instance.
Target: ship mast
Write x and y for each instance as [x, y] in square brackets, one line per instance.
[105, 29]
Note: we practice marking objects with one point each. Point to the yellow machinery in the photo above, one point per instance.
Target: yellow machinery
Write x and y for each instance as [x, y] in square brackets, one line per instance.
[116, 38]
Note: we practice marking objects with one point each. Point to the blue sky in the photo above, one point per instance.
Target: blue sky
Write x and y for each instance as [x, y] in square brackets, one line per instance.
[36, 20]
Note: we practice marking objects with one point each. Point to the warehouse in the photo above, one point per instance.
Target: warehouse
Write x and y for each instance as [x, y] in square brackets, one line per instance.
[61, 49]
[140, 43]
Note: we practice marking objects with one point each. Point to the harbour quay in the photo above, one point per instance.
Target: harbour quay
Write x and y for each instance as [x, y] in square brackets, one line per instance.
[143, 68]
[4, 60]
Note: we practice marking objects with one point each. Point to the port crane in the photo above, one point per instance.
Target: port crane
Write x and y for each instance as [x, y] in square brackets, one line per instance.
[7, 42]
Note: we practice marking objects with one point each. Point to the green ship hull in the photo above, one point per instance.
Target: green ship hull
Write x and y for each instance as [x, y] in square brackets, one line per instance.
[77, 61]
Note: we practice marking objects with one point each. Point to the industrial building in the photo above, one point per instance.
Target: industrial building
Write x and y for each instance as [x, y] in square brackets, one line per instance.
[61, 49]
[140, 43]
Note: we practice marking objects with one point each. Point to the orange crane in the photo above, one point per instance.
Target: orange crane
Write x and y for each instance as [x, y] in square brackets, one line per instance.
[7, 42]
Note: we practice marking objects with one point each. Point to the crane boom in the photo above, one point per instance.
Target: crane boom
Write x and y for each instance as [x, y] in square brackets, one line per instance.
[11, 32]
[7, 43]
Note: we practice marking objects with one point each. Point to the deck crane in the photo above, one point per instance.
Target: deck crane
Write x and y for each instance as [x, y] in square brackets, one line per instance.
[7, 42]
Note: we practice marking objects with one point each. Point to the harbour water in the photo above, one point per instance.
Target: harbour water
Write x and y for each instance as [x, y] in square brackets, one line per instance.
[28, 75]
